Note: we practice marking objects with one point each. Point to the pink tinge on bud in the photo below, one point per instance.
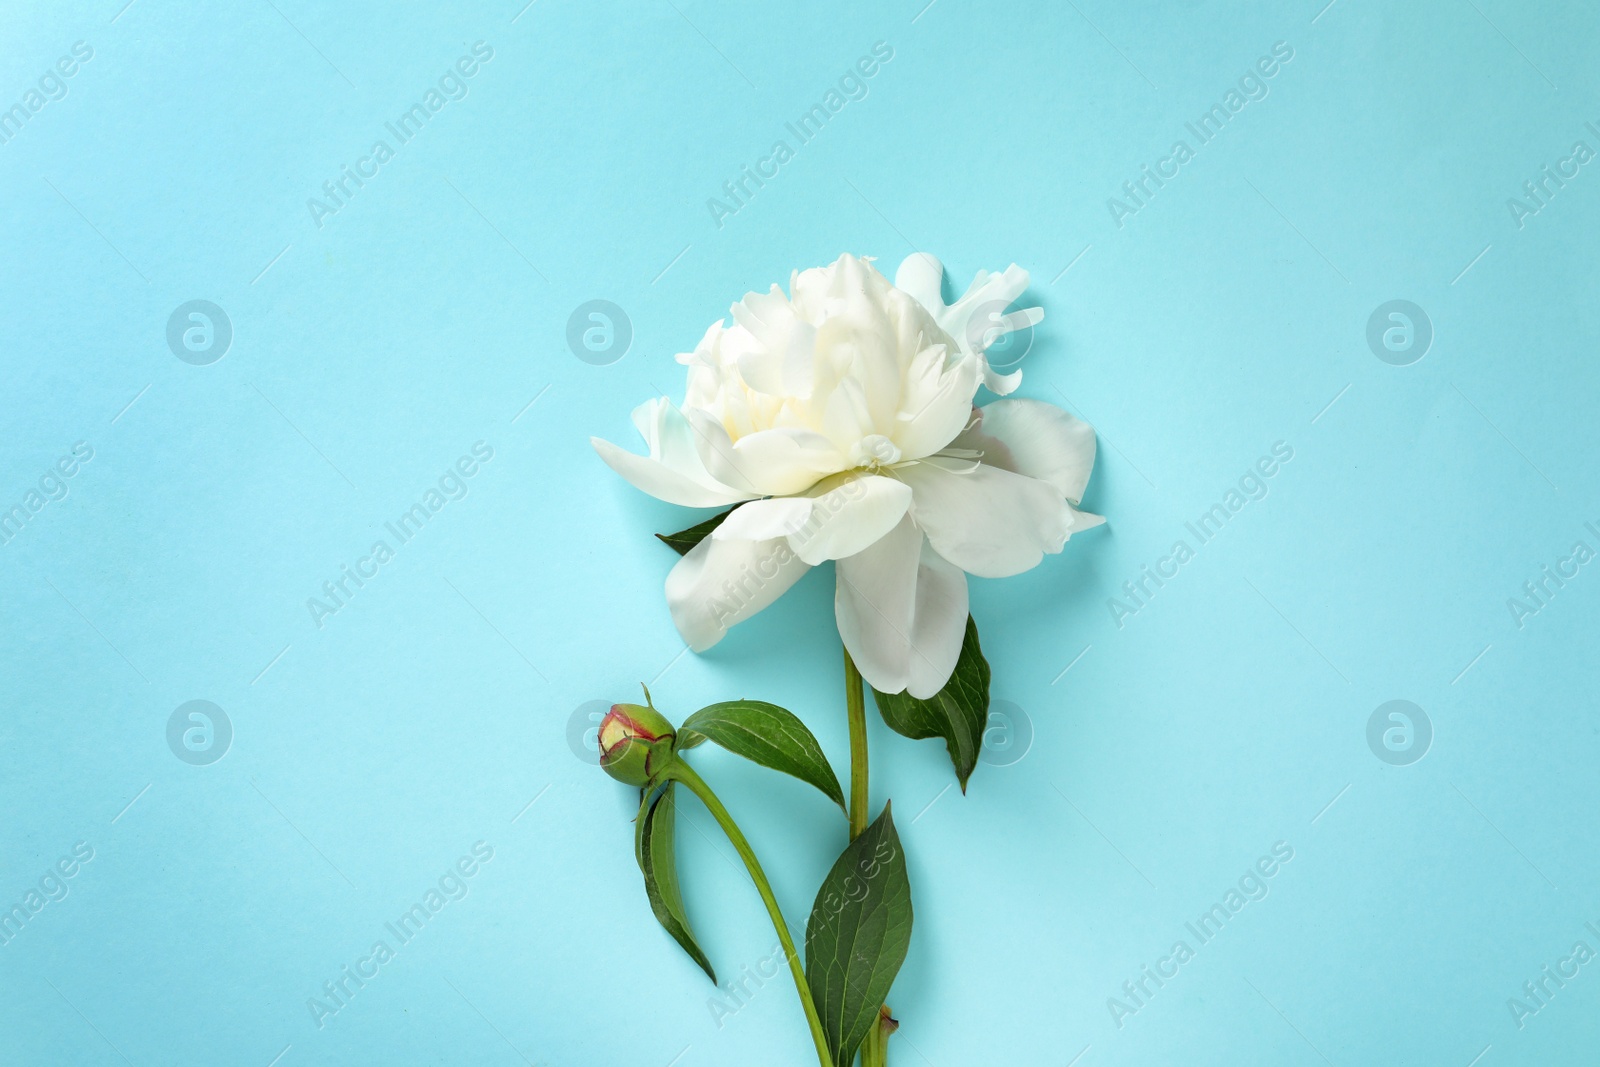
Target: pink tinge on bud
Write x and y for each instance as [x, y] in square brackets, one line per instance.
[618, 728]
[634, 742]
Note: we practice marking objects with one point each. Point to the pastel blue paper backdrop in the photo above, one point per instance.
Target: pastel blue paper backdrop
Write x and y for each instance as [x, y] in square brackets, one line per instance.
[1197, 326]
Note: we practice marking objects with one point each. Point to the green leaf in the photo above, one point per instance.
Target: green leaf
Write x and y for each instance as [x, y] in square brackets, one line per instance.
[958, 712]
[768, 735]
[652, 846]
[682, 541]
[857, 936]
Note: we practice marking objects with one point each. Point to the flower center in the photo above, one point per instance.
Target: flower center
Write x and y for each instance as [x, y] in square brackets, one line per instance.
[875, 450]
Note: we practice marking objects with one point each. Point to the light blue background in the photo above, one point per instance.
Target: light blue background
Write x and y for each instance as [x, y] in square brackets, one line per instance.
[368, 354]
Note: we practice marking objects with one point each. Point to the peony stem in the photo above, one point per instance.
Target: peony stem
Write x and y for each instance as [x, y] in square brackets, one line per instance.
[874, 1050]
[856, 705]
[697, 785]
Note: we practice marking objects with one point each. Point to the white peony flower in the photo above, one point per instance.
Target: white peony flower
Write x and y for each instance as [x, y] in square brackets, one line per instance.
[840, 419]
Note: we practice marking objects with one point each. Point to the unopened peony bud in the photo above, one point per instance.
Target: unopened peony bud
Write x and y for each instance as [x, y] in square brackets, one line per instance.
[635, 742]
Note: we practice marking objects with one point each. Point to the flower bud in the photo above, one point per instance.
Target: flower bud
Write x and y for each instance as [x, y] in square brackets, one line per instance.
[635, 743]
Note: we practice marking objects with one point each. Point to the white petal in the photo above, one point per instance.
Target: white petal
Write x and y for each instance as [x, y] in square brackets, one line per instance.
[776, 462]
[1036, 439]
[848, 513]
[874, 605]
[922, 275]
[978, 315]
[716, 452]
[720, 583]
[902, 613]
[1084, 520]
[673, 471]
[997, 383]
[978, 318]
[781, 361]
[856, 344]
[762, 520]
[940, 625]
[986, 520]
[935, 407]
[660, 481]
[669, 437]
[845, 417]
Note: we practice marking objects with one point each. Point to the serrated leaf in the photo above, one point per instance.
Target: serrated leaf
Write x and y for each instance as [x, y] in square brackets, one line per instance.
[769, 735]
[958, 712]
[682, 541]
[653, 848]
[857, 936]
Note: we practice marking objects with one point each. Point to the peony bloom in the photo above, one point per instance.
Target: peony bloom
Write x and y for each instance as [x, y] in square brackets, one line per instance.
[840, 419]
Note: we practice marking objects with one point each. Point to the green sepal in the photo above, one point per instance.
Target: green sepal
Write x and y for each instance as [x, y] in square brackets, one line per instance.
[653, 848]
[682, 541]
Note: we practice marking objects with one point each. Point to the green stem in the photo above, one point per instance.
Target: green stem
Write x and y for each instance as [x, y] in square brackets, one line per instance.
[874, 1050]
[856, 704]
[697, 785]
